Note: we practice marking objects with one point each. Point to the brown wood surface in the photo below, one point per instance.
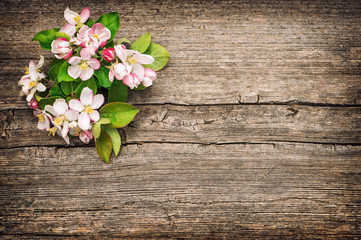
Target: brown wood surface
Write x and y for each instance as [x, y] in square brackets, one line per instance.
[251, 131]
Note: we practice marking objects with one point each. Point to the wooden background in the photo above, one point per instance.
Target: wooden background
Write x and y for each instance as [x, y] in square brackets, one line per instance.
[252, 131]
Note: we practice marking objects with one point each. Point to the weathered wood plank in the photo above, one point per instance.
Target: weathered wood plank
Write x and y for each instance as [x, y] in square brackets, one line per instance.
[222, 51]
[183, 190]
[210, 124]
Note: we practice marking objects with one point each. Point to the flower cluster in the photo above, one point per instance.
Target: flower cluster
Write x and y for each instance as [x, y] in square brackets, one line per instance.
[86, 60]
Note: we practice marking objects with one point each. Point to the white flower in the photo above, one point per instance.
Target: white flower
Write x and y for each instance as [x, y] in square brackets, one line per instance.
[30, 82]
[74, 20]
[86, 107]
[84, 65]
[63, 115]
[44, 119]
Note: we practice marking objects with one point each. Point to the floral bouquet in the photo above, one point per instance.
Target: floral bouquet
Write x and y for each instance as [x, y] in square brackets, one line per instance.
[87, 61]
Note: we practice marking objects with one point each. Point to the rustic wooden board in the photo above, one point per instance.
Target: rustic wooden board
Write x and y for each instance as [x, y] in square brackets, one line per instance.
[251, 131]
[222, 51]
[183, 190]
[210, 124]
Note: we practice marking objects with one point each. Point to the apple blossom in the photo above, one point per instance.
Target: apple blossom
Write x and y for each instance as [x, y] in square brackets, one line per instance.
[33, 104]
[84, 65]
[44, 119]
[74, 20]
[30, 81]
[131, 80]
[132, 58]
[61, 48]
[149, 76]
[86, 107]
[96, 36]
[108, 54]
[60, 110]
[118, 70]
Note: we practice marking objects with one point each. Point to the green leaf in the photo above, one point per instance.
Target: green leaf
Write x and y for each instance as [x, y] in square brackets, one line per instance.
[102, 75]
[110, 45]
[120, 114]
[160, 54]
[62, 35]
[140, 87]
[47, 101]
[88, 83]
[116, 140]
[69, 87]
[103, 145]
[38, 98]
[54, 70]
[110, 21]
[89, 23]
[46, 37]
[56, 91]
[124, 40]
[63, 75]
[142, 43]
[96, 129]
[118, 92]
[54, 62]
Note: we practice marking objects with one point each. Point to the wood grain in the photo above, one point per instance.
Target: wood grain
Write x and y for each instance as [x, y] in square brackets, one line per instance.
[210, 124]
[183, 190]
[252, 131]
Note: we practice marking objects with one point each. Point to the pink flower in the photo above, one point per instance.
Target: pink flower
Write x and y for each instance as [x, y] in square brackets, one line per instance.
[131, 80]
[74, 20]
[33, 104]
[86, 136]
[149, 76]
[88, 102]
[60, 110]
[61, 48]
[96, 36]
[108, 54]
[30, 82]
[118, 70]
[84, 65]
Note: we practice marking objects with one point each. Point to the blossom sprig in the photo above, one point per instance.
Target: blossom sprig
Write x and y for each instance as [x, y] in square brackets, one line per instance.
[86, 59]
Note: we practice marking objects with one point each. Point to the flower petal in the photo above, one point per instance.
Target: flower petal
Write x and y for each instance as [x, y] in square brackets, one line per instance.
[94, 116]
[139, 70]
[70, 15]
[69, 29]
[60, 106]
[33, 73]
[94, 63]
[65, 129]
[74, 71]
[84, 15]
[41, 62]
[86, 96]
[86, 74]
[40, 87]
[30, 95]
[71, 115]
[74, 60]
[111, 75]
[84, 121]
[98, 100]
[51, 110]
[144, 59]
[76, 105]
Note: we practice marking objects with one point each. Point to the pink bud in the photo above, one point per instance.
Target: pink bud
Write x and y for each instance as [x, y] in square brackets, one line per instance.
[149, 76]
[33, 104]
[131, 80]
[109, 54]
[86, 136]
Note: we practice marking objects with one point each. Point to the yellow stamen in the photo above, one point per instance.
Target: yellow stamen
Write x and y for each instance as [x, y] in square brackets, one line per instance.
[27, 70]
[52, 131]
[41, 117]
[77, 20]
[89, 110]
[58, 120]
[96, 36]
[33, 84]
[132, 60]
[83, 65]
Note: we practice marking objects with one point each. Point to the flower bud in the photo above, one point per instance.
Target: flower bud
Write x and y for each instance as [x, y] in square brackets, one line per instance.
[108, 54]
[86, 136]
[61, 48]
[149, 76]
[33, 104]
[131, 80]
